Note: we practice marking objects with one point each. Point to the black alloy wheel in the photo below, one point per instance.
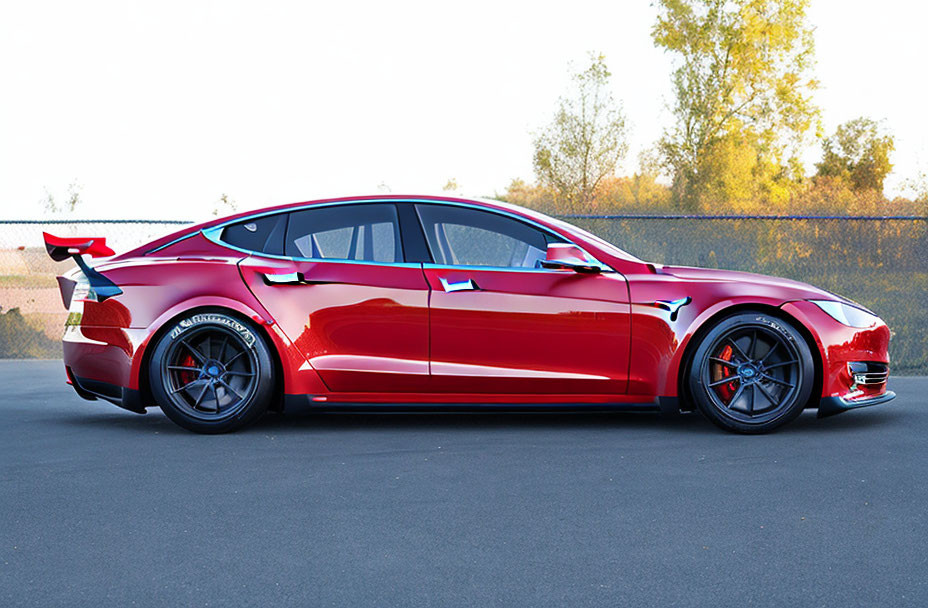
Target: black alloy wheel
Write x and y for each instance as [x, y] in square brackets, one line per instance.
[751, 373]
[212, 373]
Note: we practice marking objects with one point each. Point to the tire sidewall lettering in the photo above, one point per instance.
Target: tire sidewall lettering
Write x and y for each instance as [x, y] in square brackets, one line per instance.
[199, 319]
[772, 324]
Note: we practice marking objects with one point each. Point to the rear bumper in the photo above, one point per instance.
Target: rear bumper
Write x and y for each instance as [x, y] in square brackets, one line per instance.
[126, 398]
[829, 406]
[98, 362]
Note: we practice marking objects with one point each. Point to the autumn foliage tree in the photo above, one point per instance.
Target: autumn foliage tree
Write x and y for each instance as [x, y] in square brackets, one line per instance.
[743, 106]
[858, 152]
[585, 141]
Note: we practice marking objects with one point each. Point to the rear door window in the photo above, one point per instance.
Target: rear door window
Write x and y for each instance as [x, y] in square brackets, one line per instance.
[362, 232]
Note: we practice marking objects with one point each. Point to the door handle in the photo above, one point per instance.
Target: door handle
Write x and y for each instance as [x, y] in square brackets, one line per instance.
[283, 278]
[292, 278]
[465, 285]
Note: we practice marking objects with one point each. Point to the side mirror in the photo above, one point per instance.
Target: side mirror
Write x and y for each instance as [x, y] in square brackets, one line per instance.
[564, 256]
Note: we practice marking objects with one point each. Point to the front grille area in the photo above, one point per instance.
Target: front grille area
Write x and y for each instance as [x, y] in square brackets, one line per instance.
[868, 373]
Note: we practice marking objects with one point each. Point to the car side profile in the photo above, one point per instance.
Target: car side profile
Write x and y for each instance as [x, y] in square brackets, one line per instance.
[414, 302]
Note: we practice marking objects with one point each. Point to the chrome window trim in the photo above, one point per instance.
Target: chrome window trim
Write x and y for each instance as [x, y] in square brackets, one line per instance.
[212, 234]
[173, 242]
[431, 266]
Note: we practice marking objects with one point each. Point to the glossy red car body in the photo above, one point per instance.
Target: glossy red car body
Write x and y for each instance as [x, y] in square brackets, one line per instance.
[366, 333]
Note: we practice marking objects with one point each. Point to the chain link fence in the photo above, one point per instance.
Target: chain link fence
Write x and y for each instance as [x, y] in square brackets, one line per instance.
[881, 262]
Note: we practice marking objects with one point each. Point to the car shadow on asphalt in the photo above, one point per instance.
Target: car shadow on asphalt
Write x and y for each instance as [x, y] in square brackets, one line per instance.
[302, 421]
[683, 423]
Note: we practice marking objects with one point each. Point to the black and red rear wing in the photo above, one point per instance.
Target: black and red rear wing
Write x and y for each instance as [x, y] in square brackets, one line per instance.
[62, 248]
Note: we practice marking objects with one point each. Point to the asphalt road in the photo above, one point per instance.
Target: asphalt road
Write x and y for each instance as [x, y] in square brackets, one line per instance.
[100, 507]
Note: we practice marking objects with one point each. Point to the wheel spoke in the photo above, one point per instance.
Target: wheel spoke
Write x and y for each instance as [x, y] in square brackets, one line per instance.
[769, 352]
[753, 346]
[725, 380]
[777, 380]
[214, 409]
[236, 356]
[780, 364]
[195, 352]
[188, 385]
[184, 368]
[753, 397]
[228, 387]
[202, 393]
[737, 348]
[235, 373]
[773, 402]
[724, 362]
[209, 350]
[222, 349]
[735, 397]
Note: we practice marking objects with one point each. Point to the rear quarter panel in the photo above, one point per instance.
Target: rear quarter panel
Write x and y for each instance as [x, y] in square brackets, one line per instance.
[190, 275]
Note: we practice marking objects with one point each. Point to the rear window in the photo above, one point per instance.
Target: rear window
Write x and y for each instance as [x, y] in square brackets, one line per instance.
[262, 234]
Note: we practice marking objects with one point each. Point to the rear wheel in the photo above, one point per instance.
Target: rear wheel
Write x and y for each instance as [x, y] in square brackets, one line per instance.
[212, 373]
[751, 373]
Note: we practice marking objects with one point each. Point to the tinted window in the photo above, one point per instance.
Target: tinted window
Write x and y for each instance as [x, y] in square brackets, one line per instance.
[346, 232]
[460, 236]
[263, 234]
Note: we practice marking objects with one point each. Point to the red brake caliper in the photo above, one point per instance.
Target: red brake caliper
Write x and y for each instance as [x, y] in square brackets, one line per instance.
[186, 377]
[726, 391]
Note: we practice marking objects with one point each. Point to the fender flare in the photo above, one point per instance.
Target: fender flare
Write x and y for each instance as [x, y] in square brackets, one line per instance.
[672, 380]
[286, 355]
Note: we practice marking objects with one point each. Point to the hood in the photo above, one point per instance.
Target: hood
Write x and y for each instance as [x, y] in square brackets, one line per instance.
[786, 288]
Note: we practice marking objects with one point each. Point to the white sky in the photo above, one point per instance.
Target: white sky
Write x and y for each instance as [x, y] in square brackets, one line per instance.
[157, 108]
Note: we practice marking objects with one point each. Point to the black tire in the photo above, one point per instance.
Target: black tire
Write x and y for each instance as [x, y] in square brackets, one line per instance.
[751, 373]
[212, 372]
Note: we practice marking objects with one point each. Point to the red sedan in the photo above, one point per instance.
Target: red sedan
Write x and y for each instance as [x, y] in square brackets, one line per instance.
[408, 302]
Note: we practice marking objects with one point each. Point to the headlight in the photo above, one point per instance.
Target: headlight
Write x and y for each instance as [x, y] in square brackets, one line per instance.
[847, 314]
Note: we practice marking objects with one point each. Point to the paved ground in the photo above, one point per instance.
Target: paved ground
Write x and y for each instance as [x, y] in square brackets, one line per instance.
[101, 507]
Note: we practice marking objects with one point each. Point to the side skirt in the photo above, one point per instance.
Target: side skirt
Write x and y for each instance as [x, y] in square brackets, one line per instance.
[305, 403]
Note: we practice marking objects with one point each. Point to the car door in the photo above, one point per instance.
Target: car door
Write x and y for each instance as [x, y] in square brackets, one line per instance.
[502, 324]
[344, 295]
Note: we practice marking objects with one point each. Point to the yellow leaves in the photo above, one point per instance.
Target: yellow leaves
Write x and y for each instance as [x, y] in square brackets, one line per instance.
[741, 72]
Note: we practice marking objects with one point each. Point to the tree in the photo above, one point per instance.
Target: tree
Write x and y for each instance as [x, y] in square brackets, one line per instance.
[586, 139]
[71, 201]
[225, 205]
[742, 89]
[918, 186]
[859, 153]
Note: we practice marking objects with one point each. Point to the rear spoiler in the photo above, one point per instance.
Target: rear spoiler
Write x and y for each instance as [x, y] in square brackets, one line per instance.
[61, 248]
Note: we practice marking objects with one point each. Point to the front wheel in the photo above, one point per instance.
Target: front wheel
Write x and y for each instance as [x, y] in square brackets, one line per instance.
[751, 373]
[212, 373]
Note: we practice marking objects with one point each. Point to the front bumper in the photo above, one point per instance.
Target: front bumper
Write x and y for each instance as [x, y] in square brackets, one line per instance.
[855, 361]
[829, 406]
